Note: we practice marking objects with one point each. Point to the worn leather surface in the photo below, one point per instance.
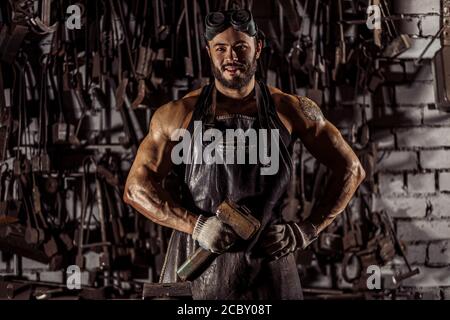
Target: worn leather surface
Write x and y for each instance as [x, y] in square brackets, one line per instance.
[240, 273]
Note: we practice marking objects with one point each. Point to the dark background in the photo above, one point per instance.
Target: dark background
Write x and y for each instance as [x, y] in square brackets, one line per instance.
[386, 99]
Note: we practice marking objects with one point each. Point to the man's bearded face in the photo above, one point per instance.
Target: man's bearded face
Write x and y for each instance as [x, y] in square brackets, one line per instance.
[235, 75]
[233, 58]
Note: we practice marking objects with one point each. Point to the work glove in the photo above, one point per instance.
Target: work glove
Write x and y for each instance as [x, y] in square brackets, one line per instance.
[213, 235]
[281, 239]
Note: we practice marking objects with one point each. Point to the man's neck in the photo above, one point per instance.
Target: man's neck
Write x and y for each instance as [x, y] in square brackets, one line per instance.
[236, 94]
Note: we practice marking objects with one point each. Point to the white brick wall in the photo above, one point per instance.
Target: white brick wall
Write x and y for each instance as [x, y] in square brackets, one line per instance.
[435, 117]
[397, 160]
[401, 207]
[345, 116]
[435, 159]
[391, 184]
[414, 158]
[429, 277]
[413, 72]
[384, 139]
[421, 183]
[416, 253]
[29, 264]
[398, 116]
[440, 205]
[416, 6]
[420, 92]
[423, 230]
[422, 72]
[51, 276]
[430, 25]
[439, 253]
[444, 181]
[423, 137]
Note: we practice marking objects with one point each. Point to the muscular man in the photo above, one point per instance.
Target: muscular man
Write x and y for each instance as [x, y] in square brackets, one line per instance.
[263, 267]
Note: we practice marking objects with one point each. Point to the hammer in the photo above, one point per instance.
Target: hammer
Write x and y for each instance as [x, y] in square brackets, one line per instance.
[239, 219]
[411, 272]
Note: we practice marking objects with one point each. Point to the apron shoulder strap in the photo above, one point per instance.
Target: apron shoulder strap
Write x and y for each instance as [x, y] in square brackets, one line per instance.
[202, 105]
[268, 103]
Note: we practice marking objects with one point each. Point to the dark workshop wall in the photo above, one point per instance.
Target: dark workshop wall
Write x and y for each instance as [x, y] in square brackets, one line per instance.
[84, 98]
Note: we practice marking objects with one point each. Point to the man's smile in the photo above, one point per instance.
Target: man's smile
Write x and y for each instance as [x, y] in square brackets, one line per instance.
[233, 69]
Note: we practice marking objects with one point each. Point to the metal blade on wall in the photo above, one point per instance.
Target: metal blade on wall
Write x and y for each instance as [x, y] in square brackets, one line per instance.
[442, 62]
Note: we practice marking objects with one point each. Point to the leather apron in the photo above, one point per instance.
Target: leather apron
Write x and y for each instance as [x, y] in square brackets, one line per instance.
[240, 273]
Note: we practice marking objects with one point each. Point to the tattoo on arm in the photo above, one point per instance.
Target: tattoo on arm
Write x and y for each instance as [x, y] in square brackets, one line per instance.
[310, 109]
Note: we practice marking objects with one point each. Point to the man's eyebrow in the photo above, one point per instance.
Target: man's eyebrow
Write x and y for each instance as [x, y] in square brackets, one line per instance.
[226, 44]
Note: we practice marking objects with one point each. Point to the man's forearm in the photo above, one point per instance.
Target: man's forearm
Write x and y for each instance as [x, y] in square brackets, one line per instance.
[339, 192]
[144, 192]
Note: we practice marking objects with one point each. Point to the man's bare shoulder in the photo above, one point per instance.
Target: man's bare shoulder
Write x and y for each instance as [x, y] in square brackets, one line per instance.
[177, 114]
[287, 103]
[283, 99]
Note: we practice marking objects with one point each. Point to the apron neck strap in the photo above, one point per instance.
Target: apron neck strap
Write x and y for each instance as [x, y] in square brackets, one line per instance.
[207, 104]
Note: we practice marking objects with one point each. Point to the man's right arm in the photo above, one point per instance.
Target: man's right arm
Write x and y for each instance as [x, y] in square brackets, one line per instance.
[143, 189]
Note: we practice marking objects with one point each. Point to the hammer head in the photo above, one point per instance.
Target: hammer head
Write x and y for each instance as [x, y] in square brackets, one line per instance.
[400, 277]
[238, 218]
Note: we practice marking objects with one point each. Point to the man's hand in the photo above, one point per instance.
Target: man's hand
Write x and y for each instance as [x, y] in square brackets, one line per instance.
[282, 239]
[213, 235]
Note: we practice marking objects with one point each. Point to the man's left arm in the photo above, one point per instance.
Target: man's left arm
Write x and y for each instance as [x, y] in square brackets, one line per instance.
[327, 145]
[324, 141]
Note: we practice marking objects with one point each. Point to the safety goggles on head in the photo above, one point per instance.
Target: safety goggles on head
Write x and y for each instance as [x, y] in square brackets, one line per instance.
[241, 20]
